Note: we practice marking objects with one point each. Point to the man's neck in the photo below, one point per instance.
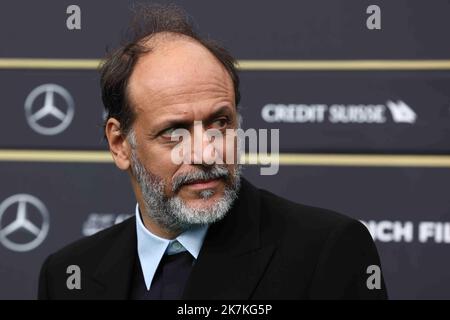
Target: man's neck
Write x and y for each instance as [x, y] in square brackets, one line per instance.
[158, 230]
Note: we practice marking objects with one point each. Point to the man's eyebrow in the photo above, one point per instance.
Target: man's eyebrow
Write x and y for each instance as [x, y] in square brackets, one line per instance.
[172, 123]
[180, 122]
[223, 110]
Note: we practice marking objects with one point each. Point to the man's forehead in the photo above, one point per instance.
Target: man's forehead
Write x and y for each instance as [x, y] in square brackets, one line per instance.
[179, 72]
[177, 62]
[187, 108]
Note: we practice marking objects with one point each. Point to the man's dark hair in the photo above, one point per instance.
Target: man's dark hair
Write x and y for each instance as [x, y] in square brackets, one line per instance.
[147, 21]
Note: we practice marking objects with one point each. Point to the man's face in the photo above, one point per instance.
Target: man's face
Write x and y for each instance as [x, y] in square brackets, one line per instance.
[176, 84]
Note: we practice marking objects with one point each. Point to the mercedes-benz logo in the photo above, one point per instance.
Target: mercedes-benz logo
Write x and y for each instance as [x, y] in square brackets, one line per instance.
[28, 214]
[47, 118]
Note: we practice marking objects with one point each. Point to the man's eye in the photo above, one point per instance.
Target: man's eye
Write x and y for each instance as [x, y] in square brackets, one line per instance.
[220, 123]
[167, 133]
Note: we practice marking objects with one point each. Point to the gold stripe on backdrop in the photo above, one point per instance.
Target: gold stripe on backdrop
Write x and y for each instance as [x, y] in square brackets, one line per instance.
[299, 159]
[248, 65]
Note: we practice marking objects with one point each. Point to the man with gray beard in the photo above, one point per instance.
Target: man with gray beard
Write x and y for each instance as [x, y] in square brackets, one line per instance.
[172, 212]
[200, 230]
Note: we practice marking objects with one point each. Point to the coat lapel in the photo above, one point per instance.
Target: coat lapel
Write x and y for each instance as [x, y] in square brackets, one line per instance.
[233, 258]
[114, 274]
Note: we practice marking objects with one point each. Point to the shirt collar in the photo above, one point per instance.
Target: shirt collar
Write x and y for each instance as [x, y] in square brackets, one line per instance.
[151, 248]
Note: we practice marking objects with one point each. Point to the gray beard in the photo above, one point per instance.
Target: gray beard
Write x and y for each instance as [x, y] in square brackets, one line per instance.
[173, 214]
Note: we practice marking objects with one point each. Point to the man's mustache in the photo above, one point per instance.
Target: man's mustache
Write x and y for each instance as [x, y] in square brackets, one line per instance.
[214, 172]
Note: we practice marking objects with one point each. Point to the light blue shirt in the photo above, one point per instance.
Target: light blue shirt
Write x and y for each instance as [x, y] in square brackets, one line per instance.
[151, 248]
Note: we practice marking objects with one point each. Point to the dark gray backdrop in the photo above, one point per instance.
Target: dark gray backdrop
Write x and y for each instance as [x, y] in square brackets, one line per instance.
[83, 197]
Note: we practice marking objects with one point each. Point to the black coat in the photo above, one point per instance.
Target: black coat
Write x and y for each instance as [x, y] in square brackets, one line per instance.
[265, 248]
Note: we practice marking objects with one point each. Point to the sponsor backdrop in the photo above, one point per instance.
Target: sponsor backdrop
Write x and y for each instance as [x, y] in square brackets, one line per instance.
[364, 120]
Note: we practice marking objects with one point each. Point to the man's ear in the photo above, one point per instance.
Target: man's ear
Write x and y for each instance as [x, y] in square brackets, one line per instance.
[118, 144]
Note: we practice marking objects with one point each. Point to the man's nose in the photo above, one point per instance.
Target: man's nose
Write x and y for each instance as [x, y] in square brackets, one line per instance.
[203, 151]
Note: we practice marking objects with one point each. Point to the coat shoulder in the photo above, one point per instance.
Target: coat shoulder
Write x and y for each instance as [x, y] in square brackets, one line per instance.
[313, 246]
